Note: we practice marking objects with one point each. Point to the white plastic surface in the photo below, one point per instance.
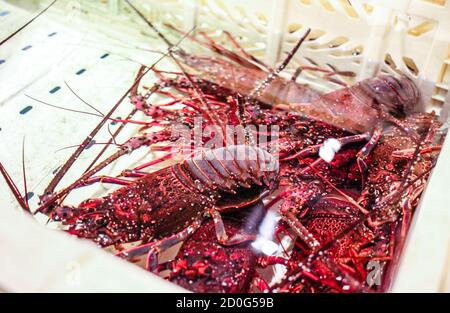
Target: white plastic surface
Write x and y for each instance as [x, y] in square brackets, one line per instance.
[358, 38]
[35, 259]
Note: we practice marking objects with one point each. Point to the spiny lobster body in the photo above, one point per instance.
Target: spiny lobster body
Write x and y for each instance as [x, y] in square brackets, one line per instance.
[391, 161]
[363, 227]
[224, 73]
[166, 201]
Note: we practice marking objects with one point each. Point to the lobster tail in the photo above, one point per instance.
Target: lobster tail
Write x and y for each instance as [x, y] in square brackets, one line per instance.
[227, 168]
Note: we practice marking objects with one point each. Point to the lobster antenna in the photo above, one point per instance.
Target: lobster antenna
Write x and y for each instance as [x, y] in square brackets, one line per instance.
[270, 77]
[63, 108]
[23, 201]
[133, 92]
[197, 90]
[94, 144]
[156, 30]
[27, 23]
[63, 170]
[82, 100]
[24, 174]
[275, 73]
[13, 187]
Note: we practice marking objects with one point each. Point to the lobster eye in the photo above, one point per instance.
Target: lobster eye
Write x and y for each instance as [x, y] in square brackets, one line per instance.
[63, 213]
[100, 221]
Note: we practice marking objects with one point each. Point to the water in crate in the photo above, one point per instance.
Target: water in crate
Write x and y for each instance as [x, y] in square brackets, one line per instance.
[263, 183]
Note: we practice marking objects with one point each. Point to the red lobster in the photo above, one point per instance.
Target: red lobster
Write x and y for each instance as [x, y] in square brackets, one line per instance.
[353, 231]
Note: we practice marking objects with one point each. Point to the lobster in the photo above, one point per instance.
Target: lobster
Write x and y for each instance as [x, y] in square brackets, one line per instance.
[169, 201]
[134, 219]
[354, 230]
[244, 73]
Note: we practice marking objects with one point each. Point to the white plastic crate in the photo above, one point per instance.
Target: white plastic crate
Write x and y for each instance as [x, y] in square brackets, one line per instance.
[105, 39]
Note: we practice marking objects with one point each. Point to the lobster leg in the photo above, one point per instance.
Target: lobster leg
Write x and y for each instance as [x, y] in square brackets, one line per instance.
[118, 181]
[222, 236]
[366, 150]
[12, 186]
[243, 52]
[383, 255]
[133, 174]
[281, 229]
[214, 46]
[259, 283]
[300, 230]
[315, 148]
[136, 172]
[428, 146]
[265, 261]
[63, 170]
[295, 225]
[50, 196]
[153, 249]
[134, 99]
[398, 123]
[409, 153]
[131, 145]
[105, 179]
[243, 59]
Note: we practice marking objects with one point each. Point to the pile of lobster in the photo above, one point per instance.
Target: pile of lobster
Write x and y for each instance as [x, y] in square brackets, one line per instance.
[322, 204]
